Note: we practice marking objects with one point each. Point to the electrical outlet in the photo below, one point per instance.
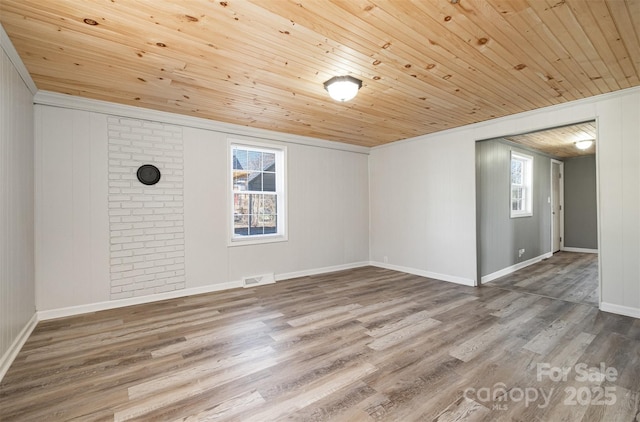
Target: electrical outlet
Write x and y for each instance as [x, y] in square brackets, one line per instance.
[385, 259]
[520, 253]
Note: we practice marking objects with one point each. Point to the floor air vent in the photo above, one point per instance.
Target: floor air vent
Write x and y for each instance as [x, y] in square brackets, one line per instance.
[258, 280]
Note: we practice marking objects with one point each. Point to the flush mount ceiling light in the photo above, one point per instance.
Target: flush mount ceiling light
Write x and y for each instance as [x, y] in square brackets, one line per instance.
[586, 144]
[343, 88]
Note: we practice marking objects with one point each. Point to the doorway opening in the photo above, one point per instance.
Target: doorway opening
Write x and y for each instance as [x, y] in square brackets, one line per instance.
[514, 248]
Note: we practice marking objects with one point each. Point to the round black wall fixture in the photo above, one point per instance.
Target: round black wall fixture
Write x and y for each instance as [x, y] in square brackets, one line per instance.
[148, 174]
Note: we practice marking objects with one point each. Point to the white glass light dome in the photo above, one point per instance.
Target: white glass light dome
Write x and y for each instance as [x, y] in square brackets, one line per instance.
[586, 144]
[343, 88]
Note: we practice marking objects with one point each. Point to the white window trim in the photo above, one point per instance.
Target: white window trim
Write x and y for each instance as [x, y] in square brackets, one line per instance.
[281, 188]
[528, 174]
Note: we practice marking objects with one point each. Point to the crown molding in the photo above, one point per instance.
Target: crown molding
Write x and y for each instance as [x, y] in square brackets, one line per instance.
[549, 109]
[10, 51]
[86, 104]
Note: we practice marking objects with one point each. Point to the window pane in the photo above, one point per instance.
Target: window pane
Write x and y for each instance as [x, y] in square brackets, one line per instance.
[517, 201]
[516, 172]
[269, 223]
[254, 160]
[240, 180]
[239, 159]
[269, 204]
[256, 204]
[517, 205]
[240, 203]
[241, 224]
[268, 220]
[256, 230]
[269, 182]
[516, 192]
[269, 161]
[255, 181]
[268, 215]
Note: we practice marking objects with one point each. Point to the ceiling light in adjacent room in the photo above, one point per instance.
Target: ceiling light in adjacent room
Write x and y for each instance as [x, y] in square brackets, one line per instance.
[586, 144]
[343, 88]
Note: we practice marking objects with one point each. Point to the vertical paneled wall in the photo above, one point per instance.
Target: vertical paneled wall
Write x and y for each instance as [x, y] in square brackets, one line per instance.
[17, 302]
[146, 222]
[618, 159]
[500, 236]
[580, 203]
[422, 206]
[101, 230]
[72, 222]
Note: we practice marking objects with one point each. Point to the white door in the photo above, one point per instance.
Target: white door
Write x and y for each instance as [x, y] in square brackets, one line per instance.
[556, 205]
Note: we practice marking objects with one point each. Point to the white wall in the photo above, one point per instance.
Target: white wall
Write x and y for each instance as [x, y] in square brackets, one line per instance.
[17, 307]
[500, 237]
[423, 206]
[72, 221]
[327, 213]
[423, 203]
[618, 162]
[327, 209]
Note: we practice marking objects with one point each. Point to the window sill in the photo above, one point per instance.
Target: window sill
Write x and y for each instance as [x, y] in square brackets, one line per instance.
[246, 241]
[522, 215]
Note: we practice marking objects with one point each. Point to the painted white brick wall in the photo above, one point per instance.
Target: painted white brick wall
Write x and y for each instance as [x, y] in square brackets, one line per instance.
[146, 223]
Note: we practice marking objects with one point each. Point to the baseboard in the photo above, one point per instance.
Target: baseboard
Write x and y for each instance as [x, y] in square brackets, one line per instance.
[579, 250]
[21, 339]
[505, 271]
[620, 310]
[112, 304]
[323, 270]
[427, 274]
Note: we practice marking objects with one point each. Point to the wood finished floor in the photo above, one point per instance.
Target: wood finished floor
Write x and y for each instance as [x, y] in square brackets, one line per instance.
[367, 344]
[566, 275]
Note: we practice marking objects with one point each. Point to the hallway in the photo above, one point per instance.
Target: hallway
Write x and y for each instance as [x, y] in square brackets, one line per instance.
[566, 276]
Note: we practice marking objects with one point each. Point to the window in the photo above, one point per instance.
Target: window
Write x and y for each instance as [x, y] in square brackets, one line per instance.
[257, 193]
[521, 185]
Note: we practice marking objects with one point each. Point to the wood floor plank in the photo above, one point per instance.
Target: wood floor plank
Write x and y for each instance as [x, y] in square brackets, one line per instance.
[227, 408]
[179, 387]
[549, 337]
[317, 390]
[567, 276]
[625, 408]
[463, 409]
[366, 344]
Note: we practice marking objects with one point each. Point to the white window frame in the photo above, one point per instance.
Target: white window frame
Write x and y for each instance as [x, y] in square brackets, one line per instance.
[527, 185]
[281, 193]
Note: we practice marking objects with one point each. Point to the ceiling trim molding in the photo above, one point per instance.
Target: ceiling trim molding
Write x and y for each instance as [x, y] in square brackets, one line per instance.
[525, 114]
[86, 104]
[10, 51]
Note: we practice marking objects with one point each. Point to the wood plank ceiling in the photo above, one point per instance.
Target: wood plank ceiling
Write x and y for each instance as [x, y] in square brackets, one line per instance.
[426, 65]
[560, 141]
